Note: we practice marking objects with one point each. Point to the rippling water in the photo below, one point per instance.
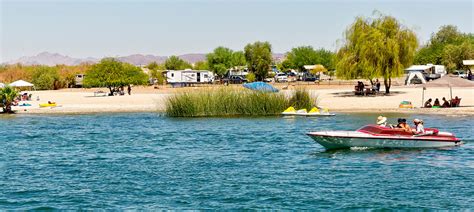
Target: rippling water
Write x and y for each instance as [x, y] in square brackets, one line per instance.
[147, 161]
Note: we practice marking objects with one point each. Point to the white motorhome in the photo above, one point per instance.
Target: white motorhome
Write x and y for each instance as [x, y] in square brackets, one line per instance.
[188, 77]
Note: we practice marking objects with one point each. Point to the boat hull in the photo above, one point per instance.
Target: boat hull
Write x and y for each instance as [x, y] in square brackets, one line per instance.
[329, 142]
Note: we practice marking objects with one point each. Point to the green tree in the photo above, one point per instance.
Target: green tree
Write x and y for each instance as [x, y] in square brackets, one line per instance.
[453, 55]
[7, 96]
[153, 66]
[298, 57]
[114, 74]
[201, 65]
[376, 47]
[448, 46]
[259, 58]
[238, 59]
[46, 78]
[176, 63]
[220, 60]
[158, 75]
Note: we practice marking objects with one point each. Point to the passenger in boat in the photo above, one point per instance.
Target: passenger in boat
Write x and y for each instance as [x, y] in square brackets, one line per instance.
[419, 129]
[436, 103]
[382, 121]
[428, 103]
[403, 126]
[446, 103]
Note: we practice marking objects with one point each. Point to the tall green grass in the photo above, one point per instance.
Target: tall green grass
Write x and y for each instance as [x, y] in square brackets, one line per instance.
[232, 102]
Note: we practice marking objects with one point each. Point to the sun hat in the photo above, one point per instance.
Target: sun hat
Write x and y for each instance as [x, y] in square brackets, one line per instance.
[417, 121]
[381, 119]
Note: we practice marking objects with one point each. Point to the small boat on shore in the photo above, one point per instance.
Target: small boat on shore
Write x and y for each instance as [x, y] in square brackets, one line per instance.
[375, 136]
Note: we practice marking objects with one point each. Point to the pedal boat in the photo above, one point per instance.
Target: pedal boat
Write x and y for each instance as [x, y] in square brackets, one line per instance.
[303, 112]
[374, 136]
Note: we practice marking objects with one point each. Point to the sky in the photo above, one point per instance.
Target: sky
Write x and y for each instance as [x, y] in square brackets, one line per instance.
[101, 28]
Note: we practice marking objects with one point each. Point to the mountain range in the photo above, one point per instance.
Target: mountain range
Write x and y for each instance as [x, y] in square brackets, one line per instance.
[51, 59]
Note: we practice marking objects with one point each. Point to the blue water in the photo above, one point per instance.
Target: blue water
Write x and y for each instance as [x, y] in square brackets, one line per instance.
[147, 161]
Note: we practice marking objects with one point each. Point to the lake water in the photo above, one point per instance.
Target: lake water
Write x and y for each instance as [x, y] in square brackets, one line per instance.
[148, 161]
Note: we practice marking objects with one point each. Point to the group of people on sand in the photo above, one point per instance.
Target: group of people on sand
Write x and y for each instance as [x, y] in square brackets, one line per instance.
[436, 104]
[402, 125]
[360, 87]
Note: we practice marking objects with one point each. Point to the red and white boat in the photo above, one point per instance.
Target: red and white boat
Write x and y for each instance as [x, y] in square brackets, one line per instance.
[375, 136]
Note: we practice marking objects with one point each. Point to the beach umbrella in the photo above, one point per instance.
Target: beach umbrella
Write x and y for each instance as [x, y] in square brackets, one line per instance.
[260, 86]
[21, 83]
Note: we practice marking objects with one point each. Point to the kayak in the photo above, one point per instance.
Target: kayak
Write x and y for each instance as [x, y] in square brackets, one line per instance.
[53, 104]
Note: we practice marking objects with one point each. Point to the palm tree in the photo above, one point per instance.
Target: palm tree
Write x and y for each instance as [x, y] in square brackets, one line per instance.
[7, 96]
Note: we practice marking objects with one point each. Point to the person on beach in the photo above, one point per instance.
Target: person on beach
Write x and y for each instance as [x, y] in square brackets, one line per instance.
[436, 103]
[377, 85]
[419, 128]
[428, 103]
[382, 121]
[129, 90]
[445, 103]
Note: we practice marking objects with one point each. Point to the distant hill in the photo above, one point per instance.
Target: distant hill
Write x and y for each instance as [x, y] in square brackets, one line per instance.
[51, 59]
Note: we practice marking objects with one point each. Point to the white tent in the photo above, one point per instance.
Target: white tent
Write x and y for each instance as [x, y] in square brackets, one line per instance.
[21, 83]
[2, 85]
[412, 75]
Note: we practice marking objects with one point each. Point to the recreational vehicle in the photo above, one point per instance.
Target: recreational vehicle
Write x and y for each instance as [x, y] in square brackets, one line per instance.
[429, 71]
[79, 80]
[179, 78]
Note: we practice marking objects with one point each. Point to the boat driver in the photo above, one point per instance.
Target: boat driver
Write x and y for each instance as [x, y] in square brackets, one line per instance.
[402, 125]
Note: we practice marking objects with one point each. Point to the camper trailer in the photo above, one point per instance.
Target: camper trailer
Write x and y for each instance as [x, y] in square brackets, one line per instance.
[179, 78]
[429, 71]
[79, 80]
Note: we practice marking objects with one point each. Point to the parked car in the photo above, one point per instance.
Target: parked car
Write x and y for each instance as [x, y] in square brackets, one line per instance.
[235, 79]
[460, 73]
[281, 77]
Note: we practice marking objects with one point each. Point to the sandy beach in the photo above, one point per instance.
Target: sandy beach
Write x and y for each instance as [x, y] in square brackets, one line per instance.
[338, 98]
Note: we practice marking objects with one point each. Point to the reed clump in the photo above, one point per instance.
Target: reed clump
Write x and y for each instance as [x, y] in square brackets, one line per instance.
[234, 102]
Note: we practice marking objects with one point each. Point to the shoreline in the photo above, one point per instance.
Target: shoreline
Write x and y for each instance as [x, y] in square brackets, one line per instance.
[337, 99]
[423, 111]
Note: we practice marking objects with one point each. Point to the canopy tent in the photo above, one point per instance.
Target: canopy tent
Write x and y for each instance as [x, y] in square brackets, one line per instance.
[446, 81]
[21, 83]
[260, 86]
[413, 75]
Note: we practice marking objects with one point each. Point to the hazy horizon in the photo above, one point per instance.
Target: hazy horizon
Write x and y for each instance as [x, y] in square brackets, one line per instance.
[83, 29]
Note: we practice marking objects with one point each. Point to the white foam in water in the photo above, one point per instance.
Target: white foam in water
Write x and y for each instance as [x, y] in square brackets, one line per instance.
[360, 148]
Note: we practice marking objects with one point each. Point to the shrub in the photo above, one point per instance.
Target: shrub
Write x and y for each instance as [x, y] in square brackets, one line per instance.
[302, 99]
[231, 102]
[251, 77]
[46, 78]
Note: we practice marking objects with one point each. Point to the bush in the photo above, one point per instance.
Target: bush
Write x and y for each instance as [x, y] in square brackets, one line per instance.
[251, 77]
[231, 102]
[302, 99]
[46, 78]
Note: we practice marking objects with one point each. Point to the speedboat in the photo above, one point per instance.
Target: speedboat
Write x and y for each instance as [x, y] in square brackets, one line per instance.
[375, 136]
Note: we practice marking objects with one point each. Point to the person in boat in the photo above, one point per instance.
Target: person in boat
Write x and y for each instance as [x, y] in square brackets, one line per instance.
[419, 128]
[436, 103]
[403, 126]
[382, 121]
[445, 103]
[428, 103]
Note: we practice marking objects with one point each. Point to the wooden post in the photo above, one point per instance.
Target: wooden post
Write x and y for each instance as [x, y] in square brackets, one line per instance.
[423, 97]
